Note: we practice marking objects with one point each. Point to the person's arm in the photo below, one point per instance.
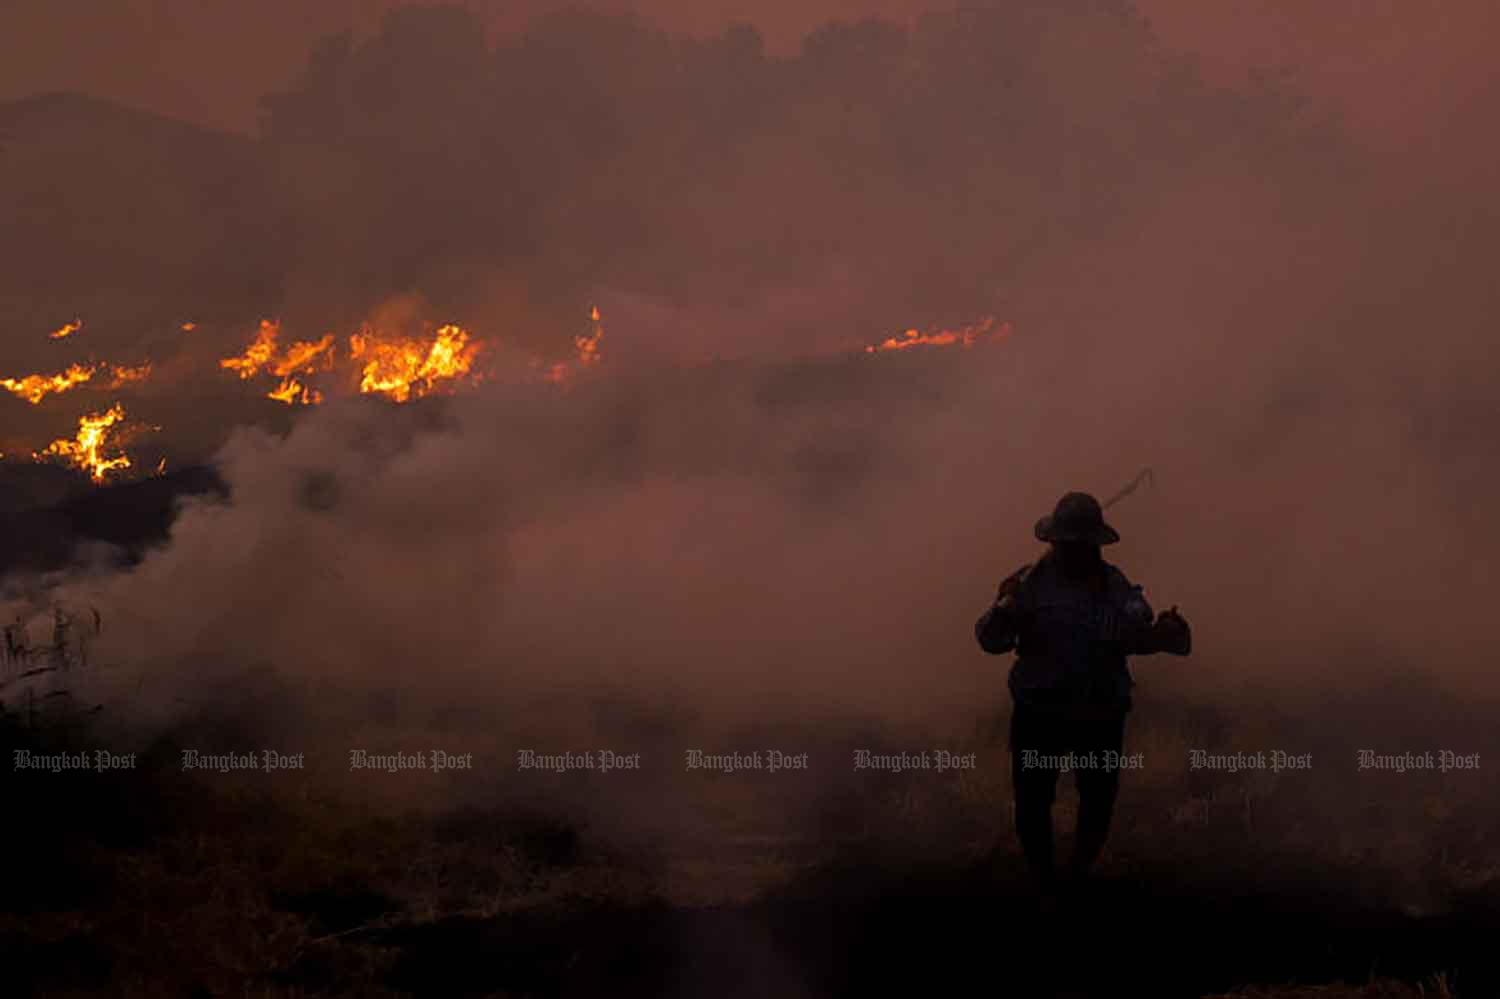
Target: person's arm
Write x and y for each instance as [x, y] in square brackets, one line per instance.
[1135, 619]
[998, 627]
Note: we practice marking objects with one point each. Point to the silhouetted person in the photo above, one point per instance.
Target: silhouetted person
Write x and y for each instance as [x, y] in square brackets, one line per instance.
[1071, 618]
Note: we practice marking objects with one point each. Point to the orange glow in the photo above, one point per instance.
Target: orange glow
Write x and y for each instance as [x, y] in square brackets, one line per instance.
[125, 376]
[66, 330]
[588, 345]
[189, 327]
[401, 368]
[258, 354]
[87, 449]
[412, 367]
[292, 392]
[304, 356]
[966, 336]
[299, 357]
[585, 353]
[35, 388]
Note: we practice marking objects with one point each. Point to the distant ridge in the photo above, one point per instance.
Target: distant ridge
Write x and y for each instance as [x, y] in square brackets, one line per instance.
[71, 106]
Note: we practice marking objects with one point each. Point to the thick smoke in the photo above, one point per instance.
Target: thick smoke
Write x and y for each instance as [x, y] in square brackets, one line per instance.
[1289, 329]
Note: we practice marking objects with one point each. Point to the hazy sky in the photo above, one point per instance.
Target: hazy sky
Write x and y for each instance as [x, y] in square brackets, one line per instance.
[1394, 68]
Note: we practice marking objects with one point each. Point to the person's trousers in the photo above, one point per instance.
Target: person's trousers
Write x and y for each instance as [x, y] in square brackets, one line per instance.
[1047, 741]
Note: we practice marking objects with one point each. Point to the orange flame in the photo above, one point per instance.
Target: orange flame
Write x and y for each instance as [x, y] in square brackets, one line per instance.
[413, 367]
[35, 388]
[299, 357]
[588, 345]
[256, 356]
[66, 330]
[86, 450]
[586, 353]
[189, 327]
[965, 336]
[125, 376]
[291, 392]
[303, 356]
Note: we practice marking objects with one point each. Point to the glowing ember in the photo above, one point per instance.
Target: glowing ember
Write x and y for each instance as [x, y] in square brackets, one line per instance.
[35, 388]
[965, 336]
[125, 376]
[586, 353]
[410, 368]
[588, 346]
[66, 330]
[87, 449]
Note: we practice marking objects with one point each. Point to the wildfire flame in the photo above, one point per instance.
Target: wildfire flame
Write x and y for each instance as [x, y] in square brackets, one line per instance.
[304, 356]
[87, 449]
[125, 376]
[66, 330]
[35, 388]
[256, 356]
[400, 367]
[965, 336]
[413, 367]
[586, 352]
[588, 345]
[299, 357]
[291, 392]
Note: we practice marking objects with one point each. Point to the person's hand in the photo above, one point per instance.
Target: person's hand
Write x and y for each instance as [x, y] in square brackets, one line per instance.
[1010, 586]
[1172, 632]
[1172, 615]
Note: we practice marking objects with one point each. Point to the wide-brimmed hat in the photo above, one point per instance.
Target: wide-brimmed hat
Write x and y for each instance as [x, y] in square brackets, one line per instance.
[1078, 517]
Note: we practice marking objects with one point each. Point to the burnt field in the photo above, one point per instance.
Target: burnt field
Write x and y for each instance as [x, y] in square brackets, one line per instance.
[665, 881]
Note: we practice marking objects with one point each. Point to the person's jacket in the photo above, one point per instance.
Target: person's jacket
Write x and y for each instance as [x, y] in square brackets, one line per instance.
[1071, 636]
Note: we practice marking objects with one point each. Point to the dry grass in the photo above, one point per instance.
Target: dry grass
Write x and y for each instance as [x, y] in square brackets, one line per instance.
[236, 892]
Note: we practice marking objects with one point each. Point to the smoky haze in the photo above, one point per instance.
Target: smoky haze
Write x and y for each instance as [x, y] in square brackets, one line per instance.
[1290, 329]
